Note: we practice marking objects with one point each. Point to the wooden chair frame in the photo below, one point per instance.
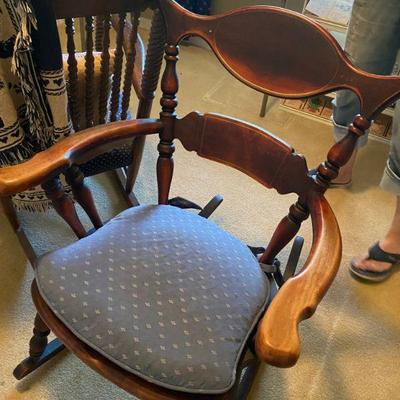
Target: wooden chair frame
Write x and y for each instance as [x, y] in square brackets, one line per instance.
[142, 72]
[246, 147]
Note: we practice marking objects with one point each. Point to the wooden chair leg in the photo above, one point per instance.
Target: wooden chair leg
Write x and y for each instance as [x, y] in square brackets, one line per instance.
[248, 375]
[83, 195]
[64, 206]
[285, 232]
[40, 350]
[11, 214]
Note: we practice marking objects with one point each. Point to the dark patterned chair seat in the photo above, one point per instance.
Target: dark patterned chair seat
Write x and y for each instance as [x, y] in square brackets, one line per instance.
[163, 293]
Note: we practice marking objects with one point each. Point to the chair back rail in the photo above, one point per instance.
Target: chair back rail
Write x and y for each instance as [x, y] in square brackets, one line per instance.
[248, 148]
[281, 53]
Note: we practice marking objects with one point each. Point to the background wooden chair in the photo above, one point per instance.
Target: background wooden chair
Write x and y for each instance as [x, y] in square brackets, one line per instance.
[293, 72]
[99, 84]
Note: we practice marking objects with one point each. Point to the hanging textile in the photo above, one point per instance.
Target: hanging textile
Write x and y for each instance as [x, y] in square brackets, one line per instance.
[197, 6]
[33, 96]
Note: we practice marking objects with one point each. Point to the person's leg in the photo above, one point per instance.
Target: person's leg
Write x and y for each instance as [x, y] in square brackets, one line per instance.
[391, 183]
[390, 244]
[372, 41]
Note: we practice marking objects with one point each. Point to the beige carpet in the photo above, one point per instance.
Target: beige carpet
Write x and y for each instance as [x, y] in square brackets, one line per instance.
[350, 348]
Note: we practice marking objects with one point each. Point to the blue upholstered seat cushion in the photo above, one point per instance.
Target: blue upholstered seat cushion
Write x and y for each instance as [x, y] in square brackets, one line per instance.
[161, 292]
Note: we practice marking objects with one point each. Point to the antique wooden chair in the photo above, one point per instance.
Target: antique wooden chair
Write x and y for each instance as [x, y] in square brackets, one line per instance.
[160, 301]
[99, 94]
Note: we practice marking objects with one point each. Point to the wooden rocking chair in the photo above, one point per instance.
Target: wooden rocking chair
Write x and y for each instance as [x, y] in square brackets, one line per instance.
[162, 302]
[99, 84]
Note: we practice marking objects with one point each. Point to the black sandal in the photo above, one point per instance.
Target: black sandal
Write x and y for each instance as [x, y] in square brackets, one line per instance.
[377, 254]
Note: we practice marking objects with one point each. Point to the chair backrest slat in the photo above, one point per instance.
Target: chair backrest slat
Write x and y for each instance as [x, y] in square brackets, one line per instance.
[104, 70]
[89, 72]
[117, 72]
[130, 64]
[72, 74]
[243, 146]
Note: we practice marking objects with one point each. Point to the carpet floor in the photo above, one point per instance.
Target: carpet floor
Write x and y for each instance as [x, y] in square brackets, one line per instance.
[350, 347]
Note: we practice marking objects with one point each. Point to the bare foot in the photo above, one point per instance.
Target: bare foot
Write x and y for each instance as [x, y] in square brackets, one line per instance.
[362, 262]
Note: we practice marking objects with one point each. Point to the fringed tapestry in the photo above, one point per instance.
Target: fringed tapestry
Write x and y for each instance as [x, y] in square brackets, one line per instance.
[33, 96]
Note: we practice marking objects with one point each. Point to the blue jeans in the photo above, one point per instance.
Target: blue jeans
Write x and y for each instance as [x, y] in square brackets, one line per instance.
[372, 42]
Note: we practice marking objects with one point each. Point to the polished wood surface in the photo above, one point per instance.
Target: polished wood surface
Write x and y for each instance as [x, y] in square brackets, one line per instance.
[63, 205]
[246, 147]
[166, 147]
[277, 339]
[89, 73]
[82, 194]
[104, 69]
[75, 149]
[264, 47]
[72, 75]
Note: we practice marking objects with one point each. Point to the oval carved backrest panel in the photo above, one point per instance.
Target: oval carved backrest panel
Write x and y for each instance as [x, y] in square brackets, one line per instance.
[250, 149]
[281, 53]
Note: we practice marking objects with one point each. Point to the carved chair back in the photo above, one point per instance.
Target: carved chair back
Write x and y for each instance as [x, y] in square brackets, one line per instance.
[283, 54]
[114, 62]
[115, 79]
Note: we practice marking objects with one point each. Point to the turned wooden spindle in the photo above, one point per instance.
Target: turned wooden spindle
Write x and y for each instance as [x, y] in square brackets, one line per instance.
[166, 148]
[64, 205]
[99, 32]
[104, 70]
[39, 340]
[152, 69]
[83, 194]
[73, 95]
[130, 64]
[118, 59]
[89, 73]
[37, 349]
[150, 79]
[285, 232]
[341, 152]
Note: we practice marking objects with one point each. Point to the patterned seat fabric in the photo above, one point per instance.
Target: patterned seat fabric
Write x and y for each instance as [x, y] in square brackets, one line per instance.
[161, 292]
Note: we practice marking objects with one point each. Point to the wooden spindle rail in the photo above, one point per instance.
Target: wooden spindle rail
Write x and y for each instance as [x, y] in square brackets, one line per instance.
[166, 148]
[72, 74]
[89, 73]
[118, 60]
[105, 70]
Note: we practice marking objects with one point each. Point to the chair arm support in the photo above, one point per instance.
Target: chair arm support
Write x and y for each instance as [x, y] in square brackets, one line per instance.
[75, 149]
[277, 339]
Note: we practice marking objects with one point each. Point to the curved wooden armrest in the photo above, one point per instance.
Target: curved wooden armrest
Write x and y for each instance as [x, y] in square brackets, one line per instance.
[277, 340]
[75, 149]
